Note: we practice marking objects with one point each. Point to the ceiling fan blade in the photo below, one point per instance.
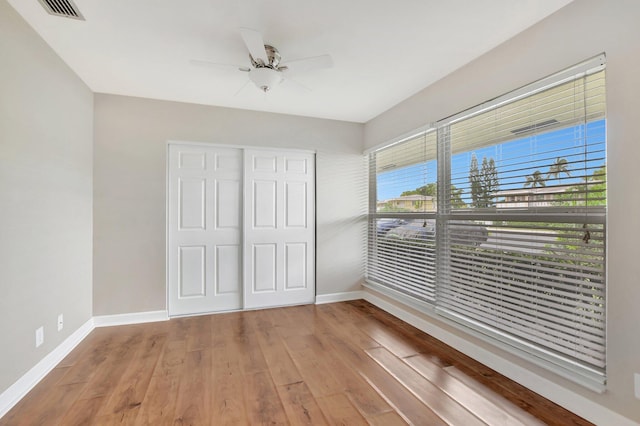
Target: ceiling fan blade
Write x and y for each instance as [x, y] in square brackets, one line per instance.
[308, 64]
[254, 42]
[295, 85]
[241, 88]
[203, 63]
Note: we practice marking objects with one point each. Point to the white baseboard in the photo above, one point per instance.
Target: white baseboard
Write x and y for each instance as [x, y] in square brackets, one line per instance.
[132, 318]
[24, 384]
[564, 397]
[339, 297]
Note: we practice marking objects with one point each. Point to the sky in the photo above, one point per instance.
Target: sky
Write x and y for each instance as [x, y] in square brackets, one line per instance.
[582, 146]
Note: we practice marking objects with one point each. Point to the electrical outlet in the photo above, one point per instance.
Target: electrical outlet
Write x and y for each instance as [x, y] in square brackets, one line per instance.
[39, 336]
[60, 322]
[636, 381]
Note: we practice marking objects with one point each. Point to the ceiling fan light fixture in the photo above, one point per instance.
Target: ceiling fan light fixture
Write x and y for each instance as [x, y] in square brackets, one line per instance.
[265, 78]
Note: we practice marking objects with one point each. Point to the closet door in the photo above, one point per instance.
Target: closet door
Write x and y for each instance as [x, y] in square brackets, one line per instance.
[279, 228]
[205, 229]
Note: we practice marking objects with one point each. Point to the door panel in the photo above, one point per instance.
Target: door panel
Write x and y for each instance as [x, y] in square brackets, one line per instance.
[228, 271]
[205, 228]
[195, 160]
[296, 165]
[192, 203]
[264, 261]
[230, 161]
[264, 203]
[295, 266]
[192, 276]
[279, 214]
[228, 204]
[265, 162]
[295, 205]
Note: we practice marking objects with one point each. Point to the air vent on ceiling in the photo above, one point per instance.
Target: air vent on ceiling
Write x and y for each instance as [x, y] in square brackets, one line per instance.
[64, 8]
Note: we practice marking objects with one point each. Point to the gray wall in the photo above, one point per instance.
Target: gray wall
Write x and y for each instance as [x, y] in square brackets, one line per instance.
[581, 30]
[46, 116]
[131, 137]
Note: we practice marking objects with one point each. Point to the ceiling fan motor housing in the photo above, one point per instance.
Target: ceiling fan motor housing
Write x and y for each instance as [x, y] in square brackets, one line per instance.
[273, 56]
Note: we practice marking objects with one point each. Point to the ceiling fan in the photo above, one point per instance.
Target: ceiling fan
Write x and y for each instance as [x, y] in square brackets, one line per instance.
[266, 70]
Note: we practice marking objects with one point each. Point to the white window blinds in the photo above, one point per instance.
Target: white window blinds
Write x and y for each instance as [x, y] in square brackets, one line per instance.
[402, 221]
[520, 209]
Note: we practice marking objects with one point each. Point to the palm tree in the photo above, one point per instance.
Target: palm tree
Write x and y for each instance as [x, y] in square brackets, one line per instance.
[558, 168]
[535, 180]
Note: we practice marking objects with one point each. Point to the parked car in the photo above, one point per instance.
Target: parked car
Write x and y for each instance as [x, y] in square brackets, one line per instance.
[414, 229]
[385, 225]
[425, 229]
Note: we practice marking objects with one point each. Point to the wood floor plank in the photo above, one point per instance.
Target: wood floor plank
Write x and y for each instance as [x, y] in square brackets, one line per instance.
[83, 411]
[106, 378]
[86, 365]
[403, 402]
[228, 400]
[523, 398]
[361, 394]
[365, 398]
[199, 333]
[494, 398]
[300, 405]
[228, 397]
[279, 362]
[193, 406]
[249, 351]
[290, 322]
[390, 418]
[158, 406]
[263, 403]
[172, 358]
[52, 405]
[339, 410]
[397, 396]
[310, 358]
[226, 358]
[480, 400]
[87, 345]
[388, 338]
[302, 316]
[127, 397]
[343, 326]
[178, 329]
[432, 396]
[412, 337]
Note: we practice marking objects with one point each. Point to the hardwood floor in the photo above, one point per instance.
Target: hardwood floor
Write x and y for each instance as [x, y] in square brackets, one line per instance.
[343, 363]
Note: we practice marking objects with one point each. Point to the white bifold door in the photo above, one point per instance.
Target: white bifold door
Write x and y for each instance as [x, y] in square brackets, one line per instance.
[241, 228]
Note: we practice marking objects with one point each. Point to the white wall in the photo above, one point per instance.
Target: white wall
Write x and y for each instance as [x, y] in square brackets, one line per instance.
[46, 116]
[577, 32]
[130, 186]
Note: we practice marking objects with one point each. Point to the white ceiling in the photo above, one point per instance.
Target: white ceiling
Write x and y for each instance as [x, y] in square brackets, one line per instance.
[383, 51]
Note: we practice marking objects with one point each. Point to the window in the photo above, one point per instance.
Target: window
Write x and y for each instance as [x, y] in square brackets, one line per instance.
[403, 212]
[520, 212]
